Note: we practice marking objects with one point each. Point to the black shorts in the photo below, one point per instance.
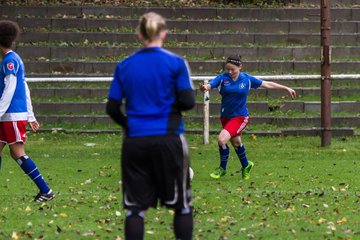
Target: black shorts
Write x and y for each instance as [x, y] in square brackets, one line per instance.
[155, 168]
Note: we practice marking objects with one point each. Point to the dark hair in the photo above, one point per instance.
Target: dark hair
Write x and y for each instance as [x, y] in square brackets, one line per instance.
[150, 25]
[9, 31]
[234, 59]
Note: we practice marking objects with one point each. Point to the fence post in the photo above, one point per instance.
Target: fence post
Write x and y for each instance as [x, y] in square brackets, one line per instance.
[206, 115]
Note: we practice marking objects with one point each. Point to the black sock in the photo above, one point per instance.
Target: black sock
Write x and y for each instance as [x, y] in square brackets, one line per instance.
[134, 226]
[183, 224]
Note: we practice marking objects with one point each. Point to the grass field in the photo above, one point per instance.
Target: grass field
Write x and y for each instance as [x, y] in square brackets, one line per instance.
[298, 190]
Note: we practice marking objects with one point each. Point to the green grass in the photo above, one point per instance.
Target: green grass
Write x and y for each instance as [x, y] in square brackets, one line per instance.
[77, 126]
[298, 190]
[198, 124]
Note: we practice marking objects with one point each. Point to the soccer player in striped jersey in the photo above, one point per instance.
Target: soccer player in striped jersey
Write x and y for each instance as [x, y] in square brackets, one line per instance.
[16, 109]
[155, 85]
[234, 87]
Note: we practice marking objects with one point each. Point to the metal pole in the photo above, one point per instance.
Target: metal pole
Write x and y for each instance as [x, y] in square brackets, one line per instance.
[325, 7]
[206, 116]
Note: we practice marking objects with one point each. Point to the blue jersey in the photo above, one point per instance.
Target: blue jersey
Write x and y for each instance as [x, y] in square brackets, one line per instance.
[149, 80]
[234, 93]
[17, 109]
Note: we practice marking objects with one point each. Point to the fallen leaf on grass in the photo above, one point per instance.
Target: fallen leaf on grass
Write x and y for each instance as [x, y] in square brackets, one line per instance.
[331, 226]
[321, 220]
[87, 181]
[14, 236]
[253, 136]
[341, 221]
[88, 233]
[290, 209]
[112, 198]
[89, 144]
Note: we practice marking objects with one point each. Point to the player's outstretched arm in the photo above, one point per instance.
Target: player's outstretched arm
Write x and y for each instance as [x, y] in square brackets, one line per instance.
[273, 85]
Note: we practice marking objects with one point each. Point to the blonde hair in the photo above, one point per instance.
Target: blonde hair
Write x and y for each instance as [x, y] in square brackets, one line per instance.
[150, 26]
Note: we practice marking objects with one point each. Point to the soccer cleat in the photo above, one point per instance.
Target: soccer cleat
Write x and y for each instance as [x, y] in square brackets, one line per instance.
[44, 197]
[246, 171]
[217, 173]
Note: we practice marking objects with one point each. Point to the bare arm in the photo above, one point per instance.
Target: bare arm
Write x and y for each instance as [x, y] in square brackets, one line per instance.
[273, 85]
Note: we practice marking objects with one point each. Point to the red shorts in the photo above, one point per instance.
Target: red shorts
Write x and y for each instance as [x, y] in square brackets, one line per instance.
[235, 125]
[12, 132]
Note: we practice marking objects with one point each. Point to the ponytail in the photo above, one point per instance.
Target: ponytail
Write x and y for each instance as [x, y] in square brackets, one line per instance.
[150, 26]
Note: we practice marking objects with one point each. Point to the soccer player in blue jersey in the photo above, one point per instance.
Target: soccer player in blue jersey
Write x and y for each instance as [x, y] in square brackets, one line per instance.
[16, 109]
[234, 87]
[155, 85]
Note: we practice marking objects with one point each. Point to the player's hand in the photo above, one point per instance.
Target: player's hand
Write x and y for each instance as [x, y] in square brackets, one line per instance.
[34, 126]
[203, 87]
[292, 93]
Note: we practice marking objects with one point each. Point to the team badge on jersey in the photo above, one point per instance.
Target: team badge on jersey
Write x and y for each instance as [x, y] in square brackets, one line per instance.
[241, 86]
[10, 66]
[226, 82]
